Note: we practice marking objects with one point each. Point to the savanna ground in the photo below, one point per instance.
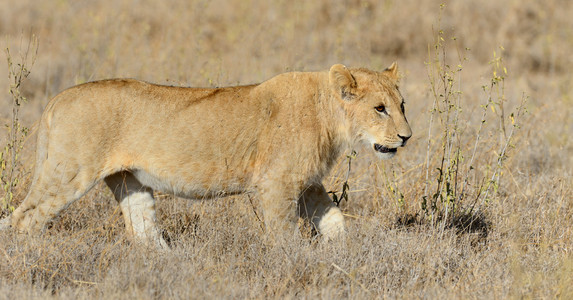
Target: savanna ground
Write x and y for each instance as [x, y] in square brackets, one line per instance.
[478, 205]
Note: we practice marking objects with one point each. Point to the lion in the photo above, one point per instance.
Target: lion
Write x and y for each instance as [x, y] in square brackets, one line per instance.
[277, 140]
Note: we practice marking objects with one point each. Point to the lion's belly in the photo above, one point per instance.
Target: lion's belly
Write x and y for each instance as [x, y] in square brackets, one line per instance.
[191, 188]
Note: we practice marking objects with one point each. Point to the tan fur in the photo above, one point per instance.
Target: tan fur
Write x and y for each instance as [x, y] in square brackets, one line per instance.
[277, 139]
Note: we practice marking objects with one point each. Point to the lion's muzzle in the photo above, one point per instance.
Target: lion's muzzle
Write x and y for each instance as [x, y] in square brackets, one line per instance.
[383, 149]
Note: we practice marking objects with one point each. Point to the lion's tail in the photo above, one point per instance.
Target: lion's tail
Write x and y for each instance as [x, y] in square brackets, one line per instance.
[42, 141]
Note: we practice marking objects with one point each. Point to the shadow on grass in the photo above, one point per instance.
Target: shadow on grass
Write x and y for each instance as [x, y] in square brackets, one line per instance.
[463, 222]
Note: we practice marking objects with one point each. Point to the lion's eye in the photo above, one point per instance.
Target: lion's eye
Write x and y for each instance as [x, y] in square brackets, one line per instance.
[380, 108]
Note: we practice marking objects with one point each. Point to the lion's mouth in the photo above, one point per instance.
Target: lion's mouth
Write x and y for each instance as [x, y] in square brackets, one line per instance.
[383, 149]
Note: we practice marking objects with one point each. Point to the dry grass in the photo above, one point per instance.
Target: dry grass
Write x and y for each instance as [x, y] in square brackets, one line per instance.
[521, 240]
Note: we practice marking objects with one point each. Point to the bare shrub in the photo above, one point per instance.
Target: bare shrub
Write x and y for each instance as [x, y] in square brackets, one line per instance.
[11, 171]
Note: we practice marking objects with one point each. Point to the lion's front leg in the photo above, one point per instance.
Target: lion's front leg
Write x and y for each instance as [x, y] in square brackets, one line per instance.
[279, 206]
[317, 207]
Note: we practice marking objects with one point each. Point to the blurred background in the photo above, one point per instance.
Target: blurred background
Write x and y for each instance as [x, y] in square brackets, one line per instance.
[216, 43]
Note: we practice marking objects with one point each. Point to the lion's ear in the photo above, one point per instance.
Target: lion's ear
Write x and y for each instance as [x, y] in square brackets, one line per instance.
[342, 82]
[392, 72]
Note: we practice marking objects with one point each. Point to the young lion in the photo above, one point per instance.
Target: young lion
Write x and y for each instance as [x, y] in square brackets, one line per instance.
[277, 139]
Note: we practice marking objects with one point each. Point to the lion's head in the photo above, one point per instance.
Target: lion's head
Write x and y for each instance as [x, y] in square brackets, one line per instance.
[373, 106]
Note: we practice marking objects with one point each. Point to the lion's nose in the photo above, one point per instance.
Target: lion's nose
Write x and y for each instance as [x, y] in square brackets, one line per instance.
[404, 139]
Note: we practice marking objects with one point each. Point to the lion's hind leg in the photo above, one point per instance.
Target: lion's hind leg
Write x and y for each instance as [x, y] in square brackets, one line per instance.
[316, 206]
[55, 186]
[138, 207]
